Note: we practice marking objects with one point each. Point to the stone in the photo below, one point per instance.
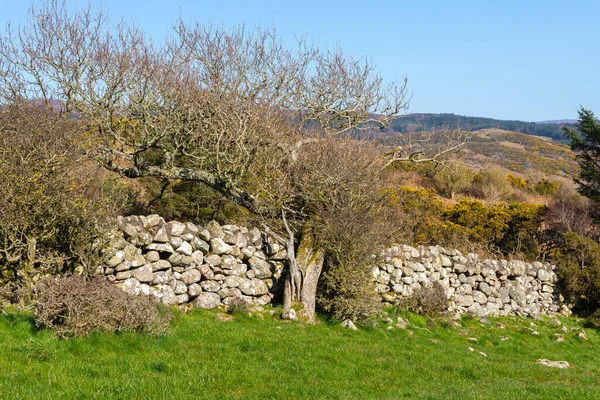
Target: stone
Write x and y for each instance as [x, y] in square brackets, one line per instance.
[182, 298]
[168, 295]
[191, 276]
[197, 257]
[232, 281]
[143, 274]
[554, 364]
[120, 276]
[261, 268]
[207, 301]
[255, 237]
[152, 256]
[194, 290]
[348, 324]
[161, 235]
[179, 287]
[218, 246]
[161, 265]
[215, 230]
[161, 277]
[175, 228]
[161, 247]
[544, 275]
[124, 266]
[116, 259]
[213, 260]
[175, 259]
[253, 287]
[176, 241]
[154, 220]
[131, 286]
[199, 244]
[185, 248]
[210, 286]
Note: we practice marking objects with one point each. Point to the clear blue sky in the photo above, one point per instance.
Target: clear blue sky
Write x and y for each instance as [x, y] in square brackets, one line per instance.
[510, 59]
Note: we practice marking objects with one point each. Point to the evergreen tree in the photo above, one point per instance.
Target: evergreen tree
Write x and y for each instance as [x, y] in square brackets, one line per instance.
[585, 142]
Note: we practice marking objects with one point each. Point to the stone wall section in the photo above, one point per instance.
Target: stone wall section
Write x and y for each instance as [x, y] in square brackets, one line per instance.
[472, 285]
[185, 263]
[208, 266]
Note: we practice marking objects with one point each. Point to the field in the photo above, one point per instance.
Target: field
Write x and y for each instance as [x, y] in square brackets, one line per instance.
[262, 357]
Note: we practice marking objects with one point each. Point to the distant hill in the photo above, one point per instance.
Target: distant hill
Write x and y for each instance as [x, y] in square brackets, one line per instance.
[427, 122]
[559, 121]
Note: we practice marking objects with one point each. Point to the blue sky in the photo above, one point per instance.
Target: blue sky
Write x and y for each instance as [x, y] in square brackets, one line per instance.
[509, 59]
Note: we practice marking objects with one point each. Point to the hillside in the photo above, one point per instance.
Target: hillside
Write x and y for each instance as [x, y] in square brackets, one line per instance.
[518, 152]
[426, 122]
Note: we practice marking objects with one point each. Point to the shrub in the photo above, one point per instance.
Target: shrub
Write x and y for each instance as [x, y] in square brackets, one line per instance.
[74, 306]
[52, 203]
[427, 300]
[578, 262]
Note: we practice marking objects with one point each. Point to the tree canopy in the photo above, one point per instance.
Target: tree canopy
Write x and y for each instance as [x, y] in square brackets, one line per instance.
[585, 142]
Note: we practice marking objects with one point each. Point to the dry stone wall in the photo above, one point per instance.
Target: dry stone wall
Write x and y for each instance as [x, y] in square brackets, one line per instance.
[471, 284]
[185, 263]
[213, 265]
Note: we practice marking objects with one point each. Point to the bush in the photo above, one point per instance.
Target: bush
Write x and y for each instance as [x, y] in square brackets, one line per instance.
[52, 204]
[430, 301]
[578, 262]
[74, 306]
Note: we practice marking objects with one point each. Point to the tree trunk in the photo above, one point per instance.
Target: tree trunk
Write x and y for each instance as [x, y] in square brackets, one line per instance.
[304, 270]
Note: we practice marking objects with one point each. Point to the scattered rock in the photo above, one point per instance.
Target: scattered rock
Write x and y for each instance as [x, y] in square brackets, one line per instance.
[348, 324]
[555, 364]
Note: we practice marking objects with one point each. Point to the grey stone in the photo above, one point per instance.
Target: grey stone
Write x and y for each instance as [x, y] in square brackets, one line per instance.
[123, 275]
[232, 281]
[543, 275]
[194, 290]
[176, 241]
[160, 265]
[143, 274]
[131, 286]
[175, 259]
[191, 276]
[161, 235]
[218, 246]
[215, 230]
[152, 256]
[213, 260]
[161, 277]
[210, 286]
[253, 287]
[124, 266]
[204, 235]
[168, 295]
[175, 228]
[197, 257]
[182, 298]
[199, 244]
[255, 237]
[185, 248]
[261, 268]
[116, 259]
[479, 297]
[180, 287]
[207, 301]
[162, 247]
[348, 324]
[154, 220]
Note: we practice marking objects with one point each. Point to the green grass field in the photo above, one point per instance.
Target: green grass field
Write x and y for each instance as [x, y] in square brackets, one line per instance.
[253, 357]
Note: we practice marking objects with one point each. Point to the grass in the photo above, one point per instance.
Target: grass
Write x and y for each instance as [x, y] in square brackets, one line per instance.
[266, 358]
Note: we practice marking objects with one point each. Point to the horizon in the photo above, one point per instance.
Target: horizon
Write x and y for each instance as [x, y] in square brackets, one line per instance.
[531, 62]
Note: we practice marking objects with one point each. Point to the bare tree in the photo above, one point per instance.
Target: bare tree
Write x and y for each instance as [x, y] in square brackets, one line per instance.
[230, 109]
